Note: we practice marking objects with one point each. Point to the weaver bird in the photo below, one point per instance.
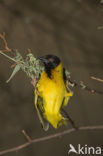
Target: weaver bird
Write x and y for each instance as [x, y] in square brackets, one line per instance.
[51, 94]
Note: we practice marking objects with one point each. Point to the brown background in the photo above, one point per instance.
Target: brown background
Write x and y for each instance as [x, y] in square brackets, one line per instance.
[69, 29]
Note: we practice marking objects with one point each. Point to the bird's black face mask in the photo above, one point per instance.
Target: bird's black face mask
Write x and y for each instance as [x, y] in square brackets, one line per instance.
[50, 62]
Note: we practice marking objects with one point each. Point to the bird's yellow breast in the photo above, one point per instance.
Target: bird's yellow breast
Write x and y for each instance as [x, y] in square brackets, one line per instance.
[52, 91]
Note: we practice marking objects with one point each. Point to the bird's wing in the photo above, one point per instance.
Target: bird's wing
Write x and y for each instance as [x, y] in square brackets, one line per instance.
[38, 106]
[66, 98]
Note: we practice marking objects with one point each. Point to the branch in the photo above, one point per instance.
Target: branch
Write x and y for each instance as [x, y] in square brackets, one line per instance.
[52, 136]
[98, 79]
[83, 87]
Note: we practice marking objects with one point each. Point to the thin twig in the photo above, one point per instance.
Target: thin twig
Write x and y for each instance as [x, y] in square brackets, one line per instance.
[56, 135]
[34, 81]
[29, 50]
[10, 58]
[98, 79]
[2, 36]
[84, 87]
[69, 119]
[26, 135]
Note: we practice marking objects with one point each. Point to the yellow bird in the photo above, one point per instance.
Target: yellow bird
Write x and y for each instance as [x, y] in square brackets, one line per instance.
[51, 93]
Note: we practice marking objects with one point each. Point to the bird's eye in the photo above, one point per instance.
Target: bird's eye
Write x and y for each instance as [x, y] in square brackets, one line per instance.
[51, 60]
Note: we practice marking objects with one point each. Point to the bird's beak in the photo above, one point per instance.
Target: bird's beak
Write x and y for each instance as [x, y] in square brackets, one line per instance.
[43, 59]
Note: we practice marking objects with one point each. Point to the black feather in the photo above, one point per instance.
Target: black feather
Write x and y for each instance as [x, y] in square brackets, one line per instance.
[64, 75]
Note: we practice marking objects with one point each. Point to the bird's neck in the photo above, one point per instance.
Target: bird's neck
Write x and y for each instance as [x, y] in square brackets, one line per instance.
[57, 73]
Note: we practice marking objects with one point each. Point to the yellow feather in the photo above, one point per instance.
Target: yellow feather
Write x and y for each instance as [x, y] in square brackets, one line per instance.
[54, 94]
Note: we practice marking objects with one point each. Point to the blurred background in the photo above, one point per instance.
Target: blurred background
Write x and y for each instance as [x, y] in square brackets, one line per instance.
[71, 30]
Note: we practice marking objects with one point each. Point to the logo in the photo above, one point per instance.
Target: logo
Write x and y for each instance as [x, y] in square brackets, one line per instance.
[84, 150]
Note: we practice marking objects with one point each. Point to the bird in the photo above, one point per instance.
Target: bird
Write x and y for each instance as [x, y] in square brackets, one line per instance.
[51, 93]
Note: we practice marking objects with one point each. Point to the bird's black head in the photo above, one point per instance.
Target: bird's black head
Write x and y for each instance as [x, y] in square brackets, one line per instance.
[50, 62]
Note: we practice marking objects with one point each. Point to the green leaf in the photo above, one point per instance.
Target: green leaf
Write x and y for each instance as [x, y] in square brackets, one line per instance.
[67, 73]
[16, 69]
[82, 85]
